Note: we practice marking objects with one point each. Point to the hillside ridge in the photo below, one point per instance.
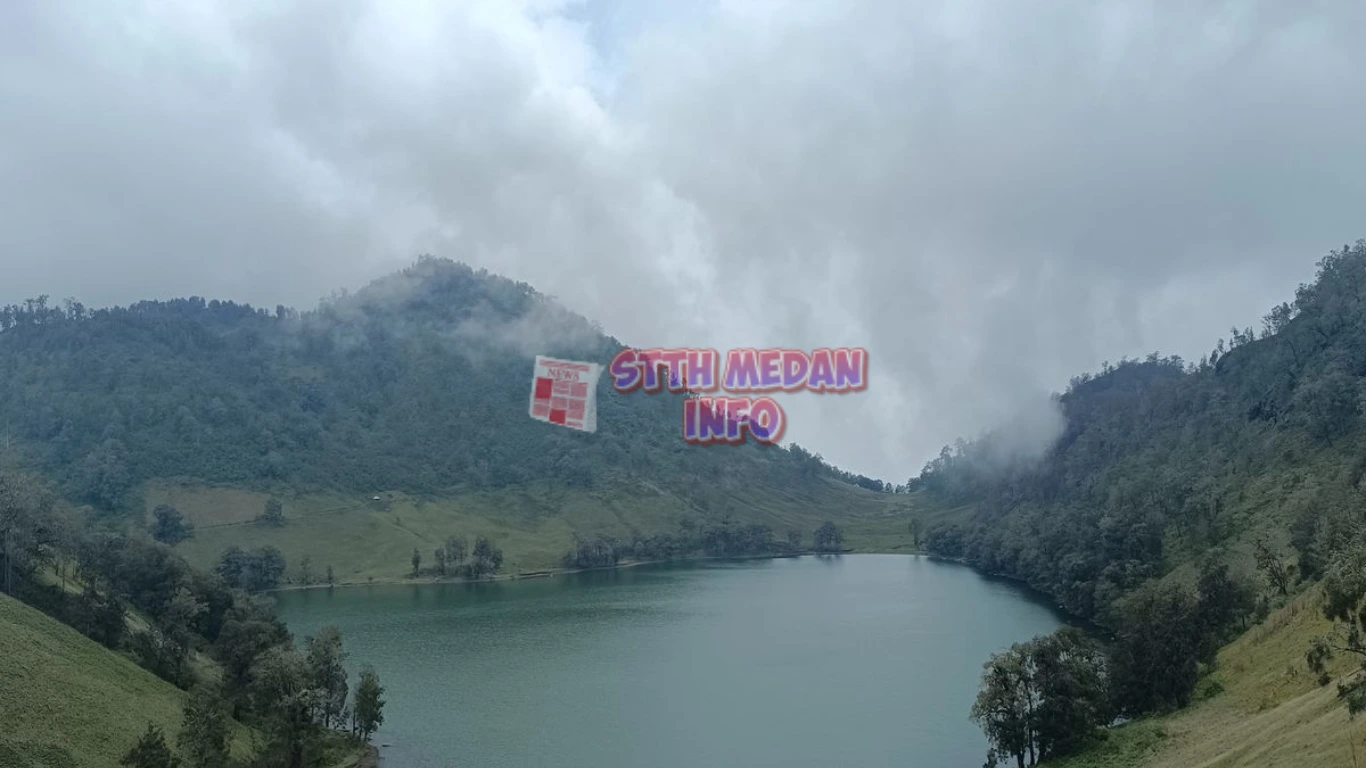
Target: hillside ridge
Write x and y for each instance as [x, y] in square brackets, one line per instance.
[69, 701]
[416, 383]
[1184, 500]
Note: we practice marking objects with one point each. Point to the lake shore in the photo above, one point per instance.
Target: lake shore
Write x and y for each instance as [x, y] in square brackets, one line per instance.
[611, 671]
[552, 572]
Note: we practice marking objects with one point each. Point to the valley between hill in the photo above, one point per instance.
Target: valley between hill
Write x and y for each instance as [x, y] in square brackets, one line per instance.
[1180, 503]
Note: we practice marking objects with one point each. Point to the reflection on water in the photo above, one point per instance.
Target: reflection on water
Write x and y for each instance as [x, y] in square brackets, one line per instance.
[854, 660]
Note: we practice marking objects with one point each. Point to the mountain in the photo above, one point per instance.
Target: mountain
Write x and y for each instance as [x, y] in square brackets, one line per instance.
[1185, 502]
[163, 460]
[414, 389]
[1161, 459]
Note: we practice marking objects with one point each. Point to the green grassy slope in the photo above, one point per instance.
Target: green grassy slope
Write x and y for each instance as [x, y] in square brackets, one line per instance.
[68, 702]
[1260, 708]
[362, 539]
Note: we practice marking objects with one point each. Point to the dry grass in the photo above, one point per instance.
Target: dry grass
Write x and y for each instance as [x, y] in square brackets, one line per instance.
[1270, 713]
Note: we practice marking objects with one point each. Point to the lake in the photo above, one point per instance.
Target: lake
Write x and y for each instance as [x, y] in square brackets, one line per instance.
[858, 660]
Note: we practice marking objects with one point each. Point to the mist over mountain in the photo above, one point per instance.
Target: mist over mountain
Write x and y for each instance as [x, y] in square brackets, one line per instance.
[989, 196]
[1160, 462]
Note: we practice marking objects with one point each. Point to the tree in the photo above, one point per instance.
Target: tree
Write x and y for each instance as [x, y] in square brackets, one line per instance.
[1043, 698]
[1003, 706]
[284, 703]
[150, 751]
[267, 568]
[327, 674]
[306, 570]
[232, 566]
[485, 559]
[914, 528]
[1269, 563]
[601, 552]
[1156, 654]
[170, 526]
[273, 513]
[100, 616]
[1072, 675]
[455, 551]
[180, 620]
[1344, 588]
[29, 529]
[828, 538]
[417, 562]
[1221, 602]
[1329, 405]
[156, 653]
[249, 630]
[440, 556]
[331, 578]
[1277, 320]
[204, 733]
[104, 477]
[253, 571]
[367, 713]
[794, 540]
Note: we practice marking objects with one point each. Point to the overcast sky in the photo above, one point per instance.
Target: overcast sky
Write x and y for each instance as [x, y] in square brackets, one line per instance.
[989, 195]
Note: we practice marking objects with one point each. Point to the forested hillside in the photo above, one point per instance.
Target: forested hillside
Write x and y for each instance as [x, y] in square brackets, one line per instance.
[249, 695]
[1182, 504]
[213, 450]
[1162, 459]
[417, 383]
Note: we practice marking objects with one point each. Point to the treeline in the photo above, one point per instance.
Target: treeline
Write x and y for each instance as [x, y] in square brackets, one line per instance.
[1050, 696]
[1161, 460]
[811, 465]
[264, 568]
[693, 539]
[1331, 540]
[250, 571]
[301, 705]
[1156, 458]
[451, 559]
[96, 581]
[257, 570]
[415, 382]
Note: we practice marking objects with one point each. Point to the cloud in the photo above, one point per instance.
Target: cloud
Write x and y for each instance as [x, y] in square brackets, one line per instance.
[990, 196]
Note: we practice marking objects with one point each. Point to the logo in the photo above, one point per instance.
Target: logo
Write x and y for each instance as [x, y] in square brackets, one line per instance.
[565, 392]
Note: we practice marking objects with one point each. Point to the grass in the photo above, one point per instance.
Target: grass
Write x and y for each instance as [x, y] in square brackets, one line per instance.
[1263, 709]
[68, 702]
[363, 539]
[1125, 747]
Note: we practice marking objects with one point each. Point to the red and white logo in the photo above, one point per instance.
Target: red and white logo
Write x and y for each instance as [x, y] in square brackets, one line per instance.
[565, 392]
